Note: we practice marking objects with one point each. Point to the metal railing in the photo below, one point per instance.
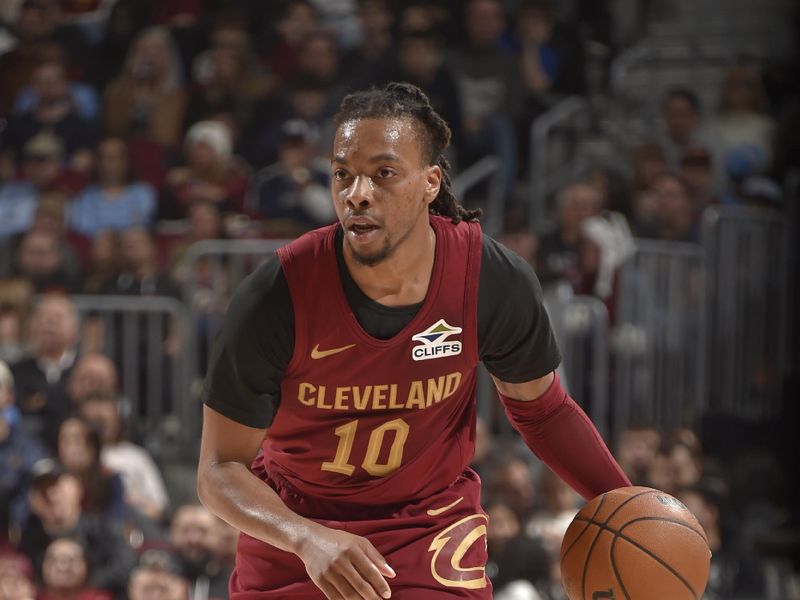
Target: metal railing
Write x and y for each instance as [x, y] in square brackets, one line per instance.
[749, 289]
[660, 350]
[151, 339]
[486, 170]
[555, 139]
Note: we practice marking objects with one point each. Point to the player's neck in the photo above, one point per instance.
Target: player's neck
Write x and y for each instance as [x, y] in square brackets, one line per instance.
[403, 278]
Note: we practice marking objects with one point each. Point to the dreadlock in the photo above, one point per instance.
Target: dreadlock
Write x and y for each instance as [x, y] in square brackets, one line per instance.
[399, 100]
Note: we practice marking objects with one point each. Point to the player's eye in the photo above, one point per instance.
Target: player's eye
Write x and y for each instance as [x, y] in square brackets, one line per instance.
[385, 173]
[340, 174]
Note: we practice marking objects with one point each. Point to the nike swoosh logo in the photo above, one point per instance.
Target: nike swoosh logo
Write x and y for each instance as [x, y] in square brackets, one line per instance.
[432, 512]
[317, 353]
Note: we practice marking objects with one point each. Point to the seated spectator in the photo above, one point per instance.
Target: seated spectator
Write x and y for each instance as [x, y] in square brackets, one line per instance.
[212, 173]
[205, 223]
[41, 378]
[294, 190]
[15, 300]
[144, 486]
[742, 123]
[649, 163]
[513, 481]
[420, 61]
[370, 62]
[42, 173]
[557, 259]
[681, 124]
[65, 572]
[55, 113]
[114, 200]
[92, 374]
[697, 171]
[105, 261]
[79, 449]
[296, 22]
[16, 576]
[319, 59]
[141, 274]
[41, 259]
[560, 505]
[82, 95]
[55, 503]
[19, 451]
[192, 534]
[147, 99]
[636, 450]
[488, 81]
[158, 575]
[675, 216]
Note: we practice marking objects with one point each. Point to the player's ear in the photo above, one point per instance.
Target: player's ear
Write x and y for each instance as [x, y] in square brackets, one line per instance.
[433, 181]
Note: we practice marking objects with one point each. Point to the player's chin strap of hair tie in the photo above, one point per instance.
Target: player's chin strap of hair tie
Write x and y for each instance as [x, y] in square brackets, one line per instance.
[557, 430]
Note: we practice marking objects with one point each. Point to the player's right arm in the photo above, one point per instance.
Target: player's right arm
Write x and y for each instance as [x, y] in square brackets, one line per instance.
[342, 565]
[241, 397]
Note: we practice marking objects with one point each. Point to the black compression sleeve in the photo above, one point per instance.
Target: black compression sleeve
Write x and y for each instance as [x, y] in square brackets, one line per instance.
[253, 348]
[515, 340]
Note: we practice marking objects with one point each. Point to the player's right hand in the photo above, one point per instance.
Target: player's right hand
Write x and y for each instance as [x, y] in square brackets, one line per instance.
[345, 566]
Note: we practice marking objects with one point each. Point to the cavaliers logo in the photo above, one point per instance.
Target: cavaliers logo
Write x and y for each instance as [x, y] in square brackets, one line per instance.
[450, 547]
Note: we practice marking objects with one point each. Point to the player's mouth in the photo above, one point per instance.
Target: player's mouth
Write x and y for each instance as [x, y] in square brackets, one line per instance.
[362, 230]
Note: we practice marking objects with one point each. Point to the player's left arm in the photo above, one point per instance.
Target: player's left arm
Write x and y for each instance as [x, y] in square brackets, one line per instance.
[518, 348]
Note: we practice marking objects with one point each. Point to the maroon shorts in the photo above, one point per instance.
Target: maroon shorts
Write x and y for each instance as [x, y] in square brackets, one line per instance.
[436, 546]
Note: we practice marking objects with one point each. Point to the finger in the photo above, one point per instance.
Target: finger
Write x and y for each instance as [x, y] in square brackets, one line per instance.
[360, 583]
[377, 559]
[331, 593]
[342, 586]
[369, 571]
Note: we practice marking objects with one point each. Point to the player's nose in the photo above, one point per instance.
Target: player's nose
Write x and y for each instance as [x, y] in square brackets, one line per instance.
[360, 193]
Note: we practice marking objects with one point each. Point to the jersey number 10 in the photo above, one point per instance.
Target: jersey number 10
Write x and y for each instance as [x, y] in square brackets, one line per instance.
[347, 435]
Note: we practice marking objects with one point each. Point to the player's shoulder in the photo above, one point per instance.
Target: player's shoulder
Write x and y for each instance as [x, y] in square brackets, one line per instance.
[261, 288]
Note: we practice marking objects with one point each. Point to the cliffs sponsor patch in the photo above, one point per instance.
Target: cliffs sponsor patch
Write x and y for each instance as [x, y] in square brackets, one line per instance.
[434, 342]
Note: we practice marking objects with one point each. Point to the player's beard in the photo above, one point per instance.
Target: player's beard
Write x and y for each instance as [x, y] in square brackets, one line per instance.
[370, 260]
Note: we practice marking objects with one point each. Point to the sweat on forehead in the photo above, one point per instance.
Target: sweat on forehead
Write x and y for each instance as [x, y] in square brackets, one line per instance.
[391, 130]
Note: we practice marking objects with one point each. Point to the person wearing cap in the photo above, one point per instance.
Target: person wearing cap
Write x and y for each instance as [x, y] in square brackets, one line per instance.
[211, 174]
[294, 190]
[19, 451]
[158, 574]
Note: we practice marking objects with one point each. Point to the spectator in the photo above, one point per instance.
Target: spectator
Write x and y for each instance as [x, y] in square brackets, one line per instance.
[65, 573]
[488, 81]
[557, 259]
[697, 171]
[369, 63]
[675, 216]
[115, 200]
[147, 98]
[41, 260]
[15, 299]
[92, 374]
[41, 174]
[55, 502]
[79, 447]
[192, 534]
[636, 450]
[16, 576]
[560, 505]
[298, 19]
[742, 124]
[211, 174]
[158, 575]
[53, 112]
[105, 261]
[141, 274]
[205, 223]
[421, 62]
[41, 378]
[82, 96]
[513, 481]
[649, 163]
[295, 189]
[19, 451]
[144, 486]
[681, 125]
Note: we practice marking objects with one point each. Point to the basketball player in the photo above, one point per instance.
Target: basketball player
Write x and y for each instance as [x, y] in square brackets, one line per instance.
[339, 413]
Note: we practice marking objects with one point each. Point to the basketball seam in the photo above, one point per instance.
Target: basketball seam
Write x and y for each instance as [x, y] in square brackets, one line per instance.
[575, 541]
[619, 534]
[591, 549]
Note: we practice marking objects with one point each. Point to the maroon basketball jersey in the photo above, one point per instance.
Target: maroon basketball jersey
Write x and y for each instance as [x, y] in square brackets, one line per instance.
[370, 421]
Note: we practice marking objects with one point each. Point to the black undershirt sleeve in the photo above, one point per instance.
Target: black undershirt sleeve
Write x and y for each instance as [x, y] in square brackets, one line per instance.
[515, 340]
[253, 348]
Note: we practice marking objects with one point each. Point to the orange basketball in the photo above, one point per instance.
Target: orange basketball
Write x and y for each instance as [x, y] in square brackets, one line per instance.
[635, 543]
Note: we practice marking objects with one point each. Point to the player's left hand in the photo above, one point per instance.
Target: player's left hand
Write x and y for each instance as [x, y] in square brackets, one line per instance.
[345, 566]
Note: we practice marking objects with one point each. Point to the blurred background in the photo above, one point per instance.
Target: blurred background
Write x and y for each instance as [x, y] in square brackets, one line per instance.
[642, 155]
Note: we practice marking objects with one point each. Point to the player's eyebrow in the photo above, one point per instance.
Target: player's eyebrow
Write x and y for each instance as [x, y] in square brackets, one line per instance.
[382, 157]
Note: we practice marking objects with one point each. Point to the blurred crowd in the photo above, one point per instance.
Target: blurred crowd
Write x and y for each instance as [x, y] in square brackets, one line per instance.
[132, 129]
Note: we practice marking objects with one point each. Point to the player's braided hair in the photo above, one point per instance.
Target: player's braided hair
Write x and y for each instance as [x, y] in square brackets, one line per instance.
[405, 100]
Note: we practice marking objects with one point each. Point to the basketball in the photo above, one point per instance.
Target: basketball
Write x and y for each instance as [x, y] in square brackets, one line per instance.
[635, 543]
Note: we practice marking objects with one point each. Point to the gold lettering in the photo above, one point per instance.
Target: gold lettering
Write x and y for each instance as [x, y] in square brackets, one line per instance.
[379, 397]
[304, 394]
[416, 396]
[342, 394]
[453, 381]
[321, 399]
[359, 400]
[435, 390]
[393, 397]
